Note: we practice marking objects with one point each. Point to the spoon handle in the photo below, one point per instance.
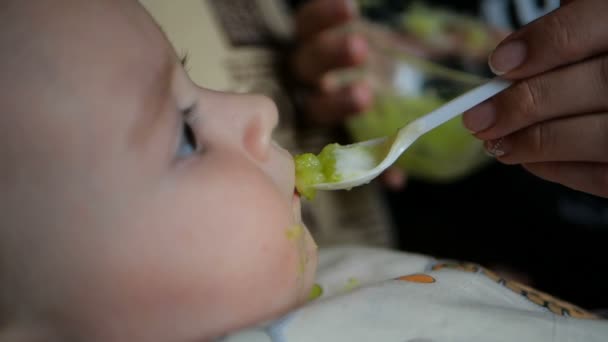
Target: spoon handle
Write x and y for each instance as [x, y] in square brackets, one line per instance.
[460, 104]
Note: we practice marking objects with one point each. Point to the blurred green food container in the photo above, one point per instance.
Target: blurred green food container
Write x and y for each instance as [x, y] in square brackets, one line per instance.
[407, 84]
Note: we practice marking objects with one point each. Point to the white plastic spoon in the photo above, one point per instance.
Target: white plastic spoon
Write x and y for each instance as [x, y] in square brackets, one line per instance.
[359, 163]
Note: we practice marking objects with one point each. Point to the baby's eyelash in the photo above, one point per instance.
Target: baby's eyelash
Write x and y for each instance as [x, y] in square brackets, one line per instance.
[189, 144]
[184, 59]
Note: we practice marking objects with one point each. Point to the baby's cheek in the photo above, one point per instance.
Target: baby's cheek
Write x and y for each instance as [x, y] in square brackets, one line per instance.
[283, 271]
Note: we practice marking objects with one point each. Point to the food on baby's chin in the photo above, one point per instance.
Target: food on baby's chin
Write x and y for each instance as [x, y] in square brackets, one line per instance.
[352, 284]
[443, 154]
[315, 292]
[312, 169]
[295, 232]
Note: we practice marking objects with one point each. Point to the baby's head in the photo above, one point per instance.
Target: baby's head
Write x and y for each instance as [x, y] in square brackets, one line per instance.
[134, 205]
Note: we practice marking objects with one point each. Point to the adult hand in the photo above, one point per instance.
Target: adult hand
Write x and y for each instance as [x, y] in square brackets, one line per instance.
[554, 119]
[321, 49]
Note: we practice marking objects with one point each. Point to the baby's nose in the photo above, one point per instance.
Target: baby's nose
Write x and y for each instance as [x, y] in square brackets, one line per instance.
[261, 118]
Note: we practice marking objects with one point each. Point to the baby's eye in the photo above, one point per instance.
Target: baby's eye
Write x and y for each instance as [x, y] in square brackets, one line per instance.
[187, 141]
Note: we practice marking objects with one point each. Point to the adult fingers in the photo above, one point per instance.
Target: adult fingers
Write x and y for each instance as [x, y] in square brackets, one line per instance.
[578, 89]
[587, 177]
[574, 32]
[394, 178]
[333, 106]
[328, 51]
[318, 15]
[578, 138]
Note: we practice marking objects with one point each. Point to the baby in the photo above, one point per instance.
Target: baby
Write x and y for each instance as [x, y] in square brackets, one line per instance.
[137, 206]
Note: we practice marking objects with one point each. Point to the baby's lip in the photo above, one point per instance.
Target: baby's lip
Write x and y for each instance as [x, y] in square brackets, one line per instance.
[296, 197]
[296, 206]
[289, 165]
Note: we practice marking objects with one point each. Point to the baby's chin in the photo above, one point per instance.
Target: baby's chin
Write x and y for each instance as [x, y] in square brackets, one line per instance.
[305, 244]
[310, 265]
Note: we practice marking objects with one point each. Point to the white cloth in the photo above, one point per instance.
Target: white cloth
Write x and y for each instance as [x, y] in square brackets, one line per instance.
[378, 295]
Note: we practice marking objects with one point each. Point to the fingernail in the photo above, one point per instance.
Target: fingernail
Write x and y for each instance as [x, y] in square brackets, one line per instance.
[507, 57]
[496, 148]
[480, 118]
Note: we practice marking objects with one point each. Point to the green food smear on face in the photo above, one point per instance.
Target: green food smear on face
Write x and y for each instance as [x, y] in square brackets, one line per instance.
[352, 284]
[315, 292]
[312, 169]
[294, 233]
